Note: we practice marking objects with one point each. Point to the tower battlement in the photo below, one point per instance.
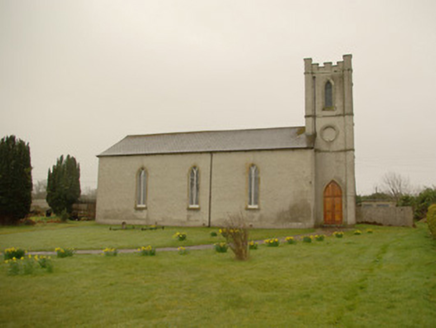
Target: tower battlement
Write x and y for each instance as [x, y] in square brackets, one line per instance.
[328, 67]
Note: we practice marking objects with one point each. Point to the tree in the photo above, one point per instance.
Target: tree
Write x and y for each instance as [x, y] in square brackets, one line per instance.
[15, 179]
[396, 186]
[63, 185]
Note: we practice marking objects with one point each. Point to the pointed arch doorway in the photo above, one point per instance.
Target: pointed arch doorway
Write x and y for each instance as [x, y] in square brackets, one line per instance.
[333, 204]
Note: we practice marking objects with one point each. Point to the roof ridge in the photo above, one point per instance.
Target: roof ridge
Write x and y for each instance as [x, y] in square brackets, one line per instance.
[210, 131]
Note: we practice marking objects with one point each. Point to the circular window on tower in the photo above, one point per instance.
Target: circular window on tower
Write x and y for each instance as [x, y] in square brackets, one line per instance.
[329, 133]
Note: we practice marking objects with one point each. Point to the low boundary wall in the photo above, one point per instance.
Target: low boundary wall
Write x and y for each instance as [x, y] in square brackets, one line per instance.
[387, 216]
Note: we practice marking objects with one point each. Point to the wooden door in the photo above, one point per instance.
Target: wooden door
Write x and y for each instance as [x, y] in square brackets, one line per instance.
[333, 204]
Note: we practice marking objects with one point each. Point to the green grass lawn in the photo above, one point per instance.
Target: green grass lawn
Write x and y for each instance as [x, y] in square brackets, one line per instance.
[89, 235]
[385, 279]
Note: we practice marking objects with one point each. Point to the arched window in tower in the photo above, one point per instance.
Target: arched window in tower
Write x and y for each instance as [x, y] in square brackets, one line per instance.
[253, 187]
[141, 189]
[328, 96]
[194, 187]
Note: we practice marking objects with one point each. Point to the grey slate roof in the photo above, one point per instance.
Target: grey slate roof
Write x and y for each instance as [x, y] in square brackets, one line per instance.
[211, 141]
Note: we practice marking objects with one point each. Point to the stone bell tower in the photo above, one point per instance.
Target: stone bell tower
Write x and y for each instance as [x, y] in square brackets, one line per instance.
[329, 123]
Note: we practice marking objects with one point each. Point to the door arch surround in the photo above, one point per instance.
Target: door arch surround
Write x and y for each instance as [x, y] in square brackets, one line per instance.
[333, 213]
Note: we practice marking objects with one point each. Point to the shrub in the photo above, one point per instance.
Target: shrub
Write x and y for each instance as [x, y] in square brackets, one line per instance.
[319, 237]
[357, 232]
[236, 234]
[273, 242]
[290, 240]
[147, 251]
[221, 247]
[180, 236]
[182, 251]
[423, 201]
[67, 252]
[338, 234]
[369, 231]
[307, 239]
[13, 252]
[431, 220]
[213, 234]
[110, 252]
[252, 245]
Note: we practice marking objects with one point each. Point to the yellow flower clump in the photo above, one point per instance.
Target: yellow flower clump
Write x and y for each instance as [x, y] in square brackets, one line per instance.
[145, 248]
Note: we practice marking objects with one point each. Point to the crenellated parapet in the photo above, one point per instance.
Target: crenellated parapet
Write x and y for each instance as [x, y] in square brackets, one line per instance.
[328, 68]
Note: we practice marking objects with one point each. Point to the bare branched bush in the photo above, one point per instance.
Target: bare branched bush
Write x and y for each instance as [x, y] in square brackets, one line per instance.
[396, 186]
[236, 234]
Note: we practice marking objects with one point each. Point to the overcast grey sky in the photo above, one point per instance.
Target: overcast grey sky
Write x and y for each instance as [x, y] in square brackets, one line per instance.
[78, 76]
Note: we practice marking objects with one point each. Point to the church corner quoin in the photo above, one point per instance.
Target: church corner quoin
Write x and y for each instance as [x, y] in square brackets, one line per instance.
[286, 177]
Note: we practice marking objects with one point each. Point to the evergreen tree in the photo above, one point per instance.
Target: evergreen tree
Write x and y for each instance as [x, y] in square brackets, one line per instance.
[15, 180]
[63, 185]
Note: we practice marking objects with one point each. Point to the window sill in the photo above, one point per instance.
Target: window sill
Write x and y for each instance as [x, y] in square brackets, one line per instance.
[141, 207]
[193, 207]
[252, 207]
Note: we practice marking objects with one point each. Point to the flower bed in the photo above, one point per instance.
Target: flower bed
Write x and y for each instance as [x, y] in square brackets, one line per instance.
[290, 240]
[147, 251]
[221, 247]
[67, 252]
[273, 242]
[252, 245]
[180, 236]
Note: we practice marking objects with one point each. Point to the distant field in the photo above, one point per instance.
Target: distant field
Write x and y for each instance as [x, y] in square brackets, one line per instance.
[89, 235]
[384, 279]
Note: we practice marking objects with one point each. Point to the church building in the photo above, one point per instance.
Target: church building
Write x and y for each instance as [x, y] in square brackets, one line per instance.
[286, 177]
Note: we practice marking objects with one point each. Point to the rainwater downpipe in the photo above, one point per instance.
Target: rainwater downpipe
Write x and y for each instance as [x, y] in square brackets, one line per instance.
[210, 191]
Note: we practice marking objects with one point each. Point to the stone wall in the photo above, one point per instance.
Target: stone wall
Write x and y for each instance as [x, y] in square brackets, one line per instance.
[387, 216]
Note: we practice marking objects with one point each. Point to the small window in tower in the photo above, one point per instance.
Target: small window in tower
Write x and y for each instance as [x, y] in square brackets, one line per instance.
[328, 96]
